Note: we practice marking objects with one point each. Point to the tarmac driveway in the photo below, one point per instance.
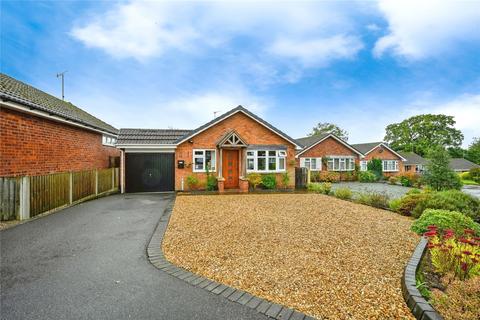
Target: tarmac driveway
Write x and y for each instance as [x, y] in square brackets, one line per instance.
[89, 262]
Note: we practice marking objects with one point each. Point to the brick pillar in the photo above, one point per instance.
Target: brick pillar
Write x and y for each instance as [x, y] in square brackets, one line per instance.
[221, 185]
[243, 185]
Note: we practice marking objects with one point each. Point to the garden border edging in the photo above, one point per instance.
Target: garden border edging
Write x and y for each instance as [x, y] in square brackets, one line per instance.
[157, 258]
[421, 309]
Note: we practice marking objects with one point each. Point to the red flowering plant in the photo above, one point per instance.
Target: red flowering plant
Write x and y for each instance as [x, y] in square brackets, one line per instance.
[452, 254]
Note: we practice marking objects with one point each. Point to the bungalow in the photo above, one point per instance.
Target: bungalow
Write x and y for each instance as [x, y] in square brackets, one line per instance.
[462, 165]
[41, 134]
[230, 146]
[392, 161]
[414, 163]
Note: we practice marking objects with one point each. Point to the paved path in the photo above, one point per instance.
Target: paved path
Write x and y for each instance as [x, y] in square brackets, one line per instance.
[473, 190]
[89, 262]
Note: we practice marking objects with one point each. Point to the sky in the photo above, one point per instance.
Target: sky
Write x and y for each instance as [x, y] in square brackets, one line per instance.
[360, 65]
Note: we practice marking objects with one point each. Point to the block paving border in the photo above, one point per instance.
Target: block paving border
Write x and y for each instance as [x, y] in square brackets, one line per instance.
[157, 258]
[421, 309]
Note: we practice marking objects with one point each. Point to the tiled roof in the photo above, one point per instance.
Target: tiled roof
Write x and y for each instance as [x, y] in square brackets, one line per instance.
[412, 158]
[365, 147]
[460, 164]
[151, 136]
[22, 93]
[308, 141]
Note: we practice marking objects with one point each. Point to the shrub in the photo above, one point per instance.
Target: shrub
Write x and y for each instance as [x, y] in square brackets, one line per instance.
[444, 219]
[254, 179]
[192, 181]
[393, 180]
[461, 299]
[314, 176]
[457, 256]
[211, 182]
[329, 176]
[405, 181]
[324, 188]
[376, 167]
[366, 176]
[394, 204]
[343, 193]
[378, 200]
[438, 174]
[269, 181]
[285, 179]
[410, 201]
[414, 191]
[452, 200]
[474, 174]
[465, 176]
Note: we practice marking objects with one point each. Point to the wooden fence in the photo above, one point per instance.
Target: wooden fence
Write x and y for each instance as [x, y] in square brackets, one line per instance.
[48, 192]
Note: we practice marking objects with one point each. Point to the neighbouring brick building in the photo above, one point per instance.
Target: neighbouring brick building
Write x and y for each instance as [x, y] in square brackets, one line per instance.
[41, 134]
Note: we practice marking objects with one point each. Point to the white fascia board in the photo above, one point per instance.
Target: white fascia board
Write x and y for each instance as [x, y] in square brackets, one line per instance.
[334, 137]
[18, 107]
[388, 148]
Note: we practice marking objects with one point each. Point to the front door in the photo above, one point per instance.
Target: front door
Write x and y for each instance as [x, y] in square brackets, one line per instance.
[230, 168]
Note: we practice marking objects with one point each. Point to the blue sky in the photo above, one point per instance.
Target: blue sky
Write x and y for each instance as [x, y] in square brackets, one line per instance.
[361, 65]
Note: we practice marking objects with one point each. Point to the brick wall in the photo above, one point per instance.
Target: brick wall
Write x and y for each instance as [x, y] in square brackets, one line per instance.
[31, 145]
[250, 130]
[328, 147]
[385, 154]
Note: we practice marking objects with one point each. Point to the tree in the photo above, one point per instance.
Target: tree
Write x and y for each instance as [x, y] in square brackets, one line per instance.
[438, 174]
[473, 151]
[422, 132]
[326, 127]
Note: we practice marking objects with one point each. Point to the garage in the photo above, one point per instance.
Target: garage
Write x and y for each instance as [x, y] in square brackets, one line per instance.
[149, 172]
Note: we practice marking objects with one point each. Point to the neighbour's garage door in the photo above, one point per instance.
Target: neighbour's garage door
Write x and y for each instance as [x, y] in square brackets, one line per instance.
[149, 172]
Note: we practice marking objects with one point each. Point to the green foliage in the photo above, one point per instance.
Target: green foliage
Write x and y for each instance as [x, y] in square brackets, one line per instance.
[473, 152]
[376, 166]
[285, 179]
[192, 181]
[438, 174]
[420, 133]
[211, 182]
[324, 188]
[325, 128]
[378, 200]
[414, 191]
[444, 219]
[465, 176]
[404, 181]
[269, 181]
[343, 193]
[254, 179]
[393, 180]
[409, 202]
[367, 176]
[452, 200]
[394, 204]
[474, 174]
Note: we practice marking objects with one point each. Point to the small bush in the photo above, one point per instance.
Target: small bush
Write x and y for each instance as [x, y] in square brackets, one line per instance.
[329, 176]
[376, 167]
[452, 200]
[444, 219]
[366, 176]
[269, 181]
[343, 193]
[414, 191]
[405, 181]
[461, 299]
[211, 182]
[254, 179]
[410, 201]
[324, 188]
[378, 200]
[192, 181]
[285, 179]
[393, 180]
[394, 204]
[465, 176]
[474, 174]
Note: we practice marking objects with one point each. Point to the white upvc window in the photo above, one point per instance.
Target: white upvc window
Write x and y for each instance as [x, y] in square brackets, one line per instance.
[313, 164]
[390, 165]
[108, 140]
[203, 159]
[266, 160]
[363, 165]
[340, 163]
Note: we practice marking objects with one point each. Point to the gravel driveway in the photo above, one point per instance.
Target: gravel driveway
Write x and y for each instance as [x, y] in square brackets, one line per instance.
[393, 191]
[328, 258]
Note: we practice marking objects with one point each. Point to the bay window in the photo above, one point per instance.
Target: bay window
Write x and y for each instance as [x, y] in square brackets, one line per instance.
[339, 163]
[266, 160]
[390, 165]
[313, 164]
[203, 159]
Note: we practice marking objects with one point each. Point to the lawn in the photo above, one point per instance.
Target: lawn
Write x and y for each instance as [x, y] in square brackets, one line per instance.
[320, 255]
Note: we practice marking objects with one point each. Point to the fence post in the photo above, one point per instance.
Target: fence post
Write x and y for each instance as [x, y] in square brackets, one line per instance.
[308, 176]
[24, 210]
[113, 178]
[96, 182]
[70, 178]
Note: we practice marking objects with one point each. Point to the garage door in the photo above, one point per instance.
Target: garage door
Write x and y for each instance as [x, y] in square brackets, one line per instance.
[149, 172]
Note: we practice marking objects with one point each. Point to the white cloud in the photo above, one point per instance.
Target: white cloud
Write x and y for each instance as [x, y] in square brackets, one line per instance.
[317, 52]
[419, 29]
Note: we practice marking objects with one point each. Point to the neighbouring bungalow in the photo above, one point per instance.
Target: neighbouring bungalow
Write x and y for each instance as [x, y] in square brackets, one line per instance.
[41, 134]
[462, 165]
[414, 164]
[229, 147]
[392, 161]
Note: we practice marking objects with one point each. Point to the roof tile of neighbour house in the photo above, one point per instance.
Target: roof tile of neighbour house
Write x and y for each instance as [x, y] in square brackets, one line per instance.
[412, 158]
[22, 93]
[365, 147]
[151, 136]
[460, 164]
[310, 141]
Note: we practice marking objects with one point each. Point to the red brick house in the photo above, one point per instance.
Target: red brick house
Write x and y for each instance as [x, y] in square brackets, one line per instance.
[392, 161]
[229, 147]
[41, 134]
